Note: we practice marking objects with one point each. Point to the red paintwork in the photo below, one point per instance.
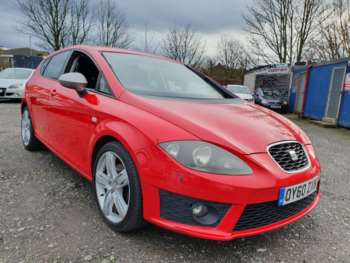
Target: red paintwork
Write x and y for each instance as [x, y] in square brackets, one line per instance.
[62, 121]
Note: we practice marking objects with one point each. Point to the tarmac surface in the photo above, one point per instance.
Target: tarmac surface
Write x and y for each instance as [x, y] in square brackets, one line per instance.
[48, 213]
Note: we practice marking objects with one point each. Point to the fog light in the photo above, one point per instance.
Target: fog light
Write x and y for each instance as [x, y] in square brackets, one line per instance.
[199, 210]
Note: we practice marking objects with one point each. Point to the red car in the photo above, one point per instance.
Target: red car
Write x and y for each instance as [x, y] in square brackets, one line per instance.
[164, 144]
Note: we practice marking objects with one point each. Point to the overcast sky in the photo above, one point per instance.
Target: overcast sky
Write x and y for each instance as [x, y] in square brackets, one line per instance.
[209, 17]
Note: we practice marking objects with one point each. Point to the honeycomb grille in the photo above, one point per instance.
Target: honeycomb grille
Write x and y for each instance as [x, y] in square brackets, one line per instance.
[263, 214]
[290, 156]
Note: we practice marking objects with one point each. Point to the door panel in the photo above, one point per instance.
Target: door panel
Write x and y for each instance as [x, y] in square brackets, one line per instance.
[70, 125]
[39, 90]
[335, 90]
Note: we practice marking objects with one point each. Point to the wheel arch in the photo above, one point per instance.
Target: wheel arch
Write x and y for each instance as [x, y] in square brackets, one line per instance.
[23, 105]
[128, 136]
[98, 145]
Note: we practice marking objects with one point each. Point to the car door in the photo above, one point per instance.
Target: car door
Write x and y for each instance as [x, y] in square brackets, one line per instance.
[40, 88]
[71, 117]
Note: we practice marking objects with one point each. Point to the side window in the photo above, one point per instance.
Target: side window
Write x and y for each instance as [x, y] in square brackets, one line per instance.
[43, 66]
[55, 66]
[84, 65]
[103, 86]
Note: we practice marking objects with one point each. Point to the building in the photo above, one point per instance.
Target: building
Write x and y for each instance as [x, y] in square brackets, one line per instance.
[25, 51]
[20, 57]
[323, 92]
[297, 88]
[268, 76]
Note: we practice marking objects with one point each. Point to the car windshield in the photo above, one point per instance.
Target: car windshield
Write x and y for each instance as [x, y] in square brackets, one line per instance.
[238, 89]
[159, 77]
[271, 94]
[15, 73]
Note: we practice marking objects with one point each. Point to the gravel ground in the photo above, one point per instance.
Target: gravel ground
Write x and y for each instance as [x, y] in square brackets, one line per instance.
[48, 214]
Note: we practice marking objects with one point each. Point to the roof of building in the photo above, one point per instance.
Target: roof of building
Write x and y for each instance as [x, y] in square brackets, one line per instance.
[25, 51]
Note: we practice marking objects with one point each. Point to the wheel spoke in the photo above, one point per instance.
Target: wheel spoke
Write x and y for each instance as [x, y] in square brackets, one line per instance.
[102, 179]
[122, 179]
[110, 165]
[101, 164]
[27, 135]
[120, 204]
[112, 186]
[108, 203]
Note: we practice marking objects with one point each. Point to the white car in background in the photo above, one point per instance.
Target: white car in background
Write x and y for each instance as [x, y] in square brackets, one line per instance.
[241, 91]
[13, 81]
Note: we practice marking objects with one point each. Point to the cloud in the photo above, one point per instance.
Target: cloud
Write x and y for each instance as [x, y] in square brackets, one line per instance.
[206, 16]
[209, 17]
[10, 22]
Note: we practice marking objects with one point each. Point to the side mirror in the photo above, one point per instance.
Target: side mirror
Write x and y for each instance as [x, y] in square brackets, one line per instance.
[74, 80]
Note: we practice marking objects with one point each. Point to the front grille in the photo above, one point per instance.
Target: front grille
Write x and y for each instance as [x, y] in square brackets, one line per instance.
[263, 214]
[284, 152]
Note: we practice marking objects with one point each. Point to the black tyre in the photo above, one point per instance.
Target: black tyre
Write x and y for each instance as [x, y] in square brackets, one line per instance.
[30, 142]
[117, 188]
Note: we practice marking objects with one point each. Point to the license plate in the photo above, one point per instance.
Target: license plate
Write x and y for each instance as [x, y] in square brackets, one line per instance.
[297, 192]
[2, 92]
[275, 106]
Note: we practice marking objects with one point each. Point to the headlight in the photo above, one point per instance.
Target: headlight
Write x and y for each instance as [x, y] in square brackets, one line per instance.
[206, 157]
[16, 86]
[263, 101]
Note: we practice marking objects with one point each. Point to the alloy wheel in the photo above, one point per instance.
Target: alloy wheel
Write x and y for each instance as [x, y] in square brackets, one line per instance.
[112, 187]
[26, 128]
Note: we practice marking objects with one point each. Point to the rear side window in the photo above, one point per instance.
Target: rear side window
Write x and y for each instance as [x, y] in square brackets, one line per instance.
[103, 86]
[55, 66]
[43, 66]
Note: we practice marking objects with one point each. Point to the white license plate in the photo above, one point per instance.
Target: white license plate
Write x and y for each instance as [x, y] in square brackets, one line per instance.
[275, 107]
[297, 192]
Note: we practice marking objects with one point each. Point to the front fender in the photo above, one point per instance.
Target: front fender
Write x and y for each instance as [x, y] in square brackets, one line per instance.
[131, 138]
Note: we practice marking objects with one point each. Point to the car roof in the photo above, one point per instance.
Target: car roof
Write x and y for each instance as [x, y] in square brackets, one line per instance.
[234, 85]
[112, 49]
[29, 69]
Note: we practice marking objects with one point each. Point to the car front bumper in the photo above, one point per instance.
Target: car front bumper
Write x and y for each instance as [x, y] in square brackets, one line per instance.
[273, 106]
[14, 93]
[232, 195]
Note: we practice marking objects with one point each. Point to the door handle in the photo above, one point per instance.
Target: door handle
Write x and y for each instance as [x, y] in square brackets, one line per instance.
[53, 92]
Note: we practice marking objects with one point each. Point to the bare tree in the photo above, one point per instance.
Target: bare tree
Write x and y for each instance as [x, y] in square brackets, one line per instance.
[80, 22]
[46, 20]
[269, 27]
[232, 54]
[308, 14]
[333, 40]
[342, 9]
[112, 25]
[327, 45]
[184, 45]
[280, 29]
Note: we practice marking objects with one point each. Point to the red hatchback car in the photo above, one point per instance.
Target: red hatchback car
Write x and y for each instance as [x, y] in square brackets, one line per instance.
[163, 143]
